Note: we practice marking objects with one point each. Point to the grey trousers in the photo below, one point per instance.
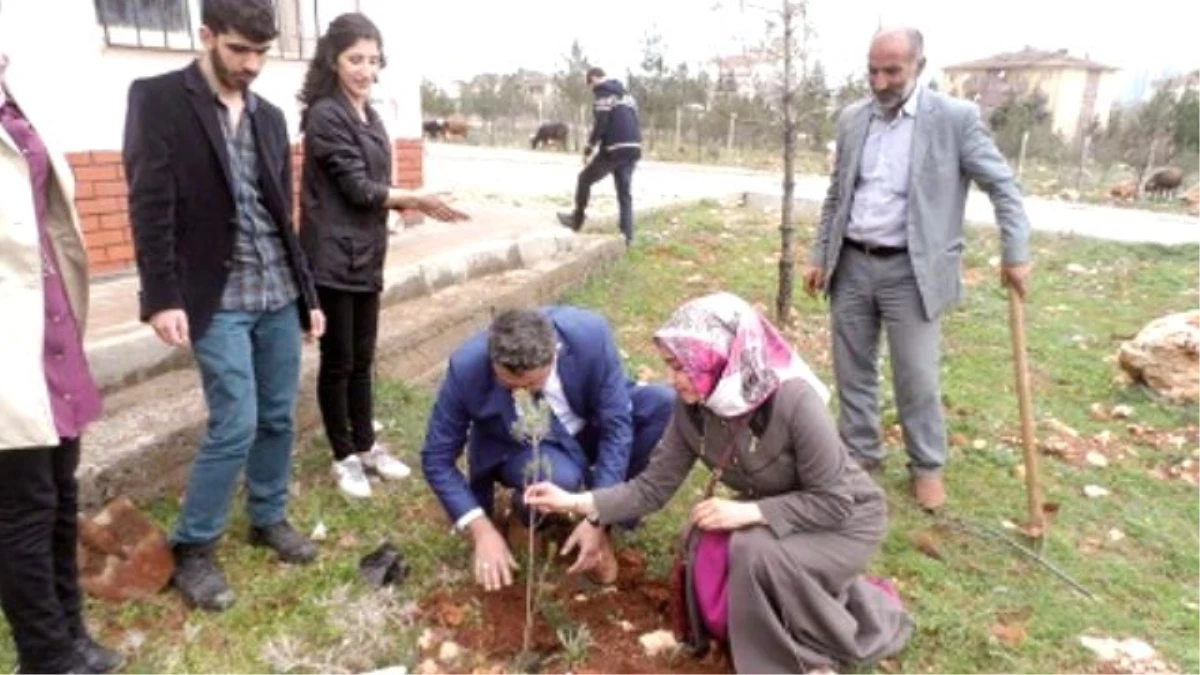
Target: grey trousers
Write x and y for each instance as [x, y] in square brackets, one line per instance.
[867, 293]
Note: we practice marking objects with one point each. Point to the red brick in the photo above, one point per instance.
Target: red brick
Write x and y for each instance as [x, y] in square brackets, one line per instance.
[91, 223]
[106, 237]
[97, 173]
[78, 159]
[101, 157]
[114, 221]
[89, 207]
[84, 189]
[111, 188]
[96, 255]
[121, 252]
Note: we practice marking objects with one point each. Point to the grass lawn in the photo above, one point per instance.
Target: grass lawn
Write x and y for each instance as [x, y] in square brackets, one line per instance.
[979, 605]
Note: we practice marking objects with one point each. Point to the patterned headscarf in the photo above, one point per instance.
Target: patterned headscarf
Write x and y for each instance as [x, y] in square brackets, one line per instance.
[734, 357]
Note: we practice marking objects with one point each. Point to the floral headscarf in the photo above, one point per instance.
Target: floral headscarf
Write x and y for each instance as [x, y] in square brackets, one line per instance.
[734, 357]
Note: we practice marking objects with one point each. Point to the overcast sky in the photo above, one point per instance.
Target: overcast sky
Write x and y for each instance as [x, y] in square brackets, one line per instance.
[465, 37]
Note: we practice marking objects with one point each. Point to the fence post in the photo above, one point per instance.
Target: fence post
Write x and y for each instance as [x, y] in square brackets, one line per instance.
[678, 128]
[732, 132]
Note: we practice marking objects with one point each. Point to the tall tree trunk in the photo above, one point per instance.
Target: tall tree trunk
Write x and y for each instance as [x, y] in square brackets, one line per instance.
[787, 226]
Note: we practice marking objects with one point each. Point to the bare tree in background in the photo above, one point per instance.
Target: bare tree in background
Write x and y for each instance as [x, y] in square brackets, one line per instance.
[797, 32]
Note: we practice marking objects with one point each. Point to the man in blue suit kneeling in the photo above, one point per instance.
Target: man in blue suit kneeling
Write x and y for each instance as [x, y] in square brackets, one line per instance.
[602, 429]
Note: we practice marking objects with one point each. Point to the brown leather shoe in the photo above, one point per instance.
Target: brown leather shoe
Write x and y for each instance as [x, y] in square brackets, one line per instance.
[929, 491]
[606, 571]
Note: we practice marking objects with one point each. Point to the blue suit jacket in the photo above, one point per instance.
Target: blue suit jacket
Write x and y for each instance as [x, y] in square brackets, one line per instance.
[473, 409]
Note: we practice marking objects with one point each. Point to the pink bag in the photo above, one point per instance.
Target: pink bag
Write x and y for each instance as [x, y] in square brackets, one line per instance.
[711, 581]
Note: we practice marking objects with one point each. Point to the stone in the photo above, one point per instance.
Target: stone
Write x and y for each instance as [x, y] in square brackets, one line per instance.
[123, 555]
[1165, 356]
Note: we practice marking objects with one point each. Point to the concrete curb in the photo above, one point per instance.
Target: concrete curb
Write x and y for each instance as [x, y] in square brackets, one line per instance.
[144, 445]
[136, 355]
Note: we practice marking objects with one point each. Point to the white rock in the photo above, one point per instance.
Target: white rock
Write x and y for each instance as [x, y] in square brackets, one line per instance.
[1096, 459]
[1008, 524]
[979, 444]
[1094, 491]
[449, 651]
[429, 667]
[994, 261]
[1115, 535]
[1164, 355]
[625, 626]
[1076, 268]
[1122, 411]
[428, 637]
[320, 532]
[1111, 649]
[658, 642]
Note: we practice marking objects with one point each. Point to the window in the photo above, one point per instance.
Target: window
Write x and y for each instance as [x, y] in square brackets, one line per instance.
[173, 24]
[167, 24]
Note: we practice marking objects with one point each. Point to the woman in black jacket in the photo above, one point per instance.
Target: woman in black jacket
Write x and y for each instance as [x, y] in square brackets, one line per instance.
[345, 199]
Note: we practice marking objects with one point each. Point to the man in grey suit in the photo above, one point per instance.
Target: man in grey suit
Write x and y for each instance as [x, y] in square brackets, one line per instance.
[889, 249]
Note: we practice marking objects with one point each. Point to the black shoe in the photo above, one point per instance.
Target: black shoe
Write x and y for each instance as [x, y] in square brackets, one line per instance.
[95, 657]
[570, 220]
[199, 580]
[291, 546]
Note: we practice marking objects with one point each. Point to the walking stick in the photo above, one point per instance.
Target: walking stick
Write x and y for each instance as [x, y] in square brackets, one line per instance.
[1016, 312]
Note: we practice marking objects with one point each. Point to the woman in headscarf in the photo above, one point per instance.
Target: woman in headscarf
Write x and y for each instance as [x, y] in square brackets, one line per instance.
[807, 519]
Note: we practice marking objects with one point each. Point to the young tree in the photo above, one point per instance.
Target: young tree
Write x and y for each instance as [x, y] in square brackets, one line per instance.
[571, 86]
[435, 102]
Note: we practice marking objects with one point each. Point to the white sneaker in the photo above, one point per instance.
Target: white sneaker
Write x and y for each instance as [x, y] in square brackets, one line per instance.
[388, 467]
[351, 479]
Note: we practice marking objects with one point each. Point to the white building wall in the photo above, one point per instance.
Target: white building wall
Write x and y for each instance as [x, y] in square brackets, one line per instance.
[76, 85]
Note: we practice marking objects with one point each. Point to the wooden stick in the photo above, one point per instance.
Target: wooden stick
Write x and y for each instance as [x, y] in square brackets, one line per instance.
[1016, 311]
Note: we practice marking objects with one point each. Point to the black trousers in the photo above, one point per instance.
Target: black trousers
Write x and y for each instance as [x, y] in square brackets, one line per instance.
[620, 163]
[344, 387]
[39, 573]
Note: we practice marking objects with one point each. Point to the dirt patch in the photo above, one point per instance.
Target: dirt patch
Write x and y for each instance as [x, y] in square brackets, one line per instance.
[490, 626]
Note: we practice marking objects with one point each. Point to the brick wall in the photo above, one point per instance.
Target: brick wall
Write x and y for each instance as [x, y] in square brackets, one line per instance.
[101, 197]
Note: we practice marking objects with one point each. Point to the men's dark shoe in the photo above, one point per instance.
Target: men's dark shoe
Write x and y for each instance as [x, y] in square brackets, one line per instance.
[199, 579]
[94, 657]
[291, 546]
[570, 220]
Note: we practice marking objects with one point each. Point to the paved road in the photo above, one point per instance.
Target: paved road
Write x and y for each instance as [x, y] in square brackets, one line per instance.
[549, 177]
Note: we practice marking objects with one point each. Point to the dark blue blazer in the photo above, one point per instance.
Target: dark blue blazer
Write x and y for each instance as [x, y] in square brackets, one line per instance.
[475, 411]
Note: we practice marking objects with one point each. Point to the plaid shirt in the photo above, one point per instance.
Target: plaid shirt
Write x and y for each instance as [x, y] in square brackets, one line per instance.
[261, 278]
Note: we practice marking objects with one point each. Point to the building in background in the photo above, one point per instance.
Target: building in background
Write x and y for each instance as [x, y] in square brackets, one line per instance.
[73, 61]
[1078, 91]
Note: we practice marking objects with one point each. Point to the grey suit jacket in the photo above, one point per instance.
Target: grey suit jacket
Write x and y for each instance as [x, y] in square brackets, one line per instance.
[951, 147]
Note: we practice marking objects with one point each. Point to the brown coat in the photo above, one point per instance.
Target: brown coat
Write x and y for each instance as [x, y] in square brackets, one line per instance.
[797, 596]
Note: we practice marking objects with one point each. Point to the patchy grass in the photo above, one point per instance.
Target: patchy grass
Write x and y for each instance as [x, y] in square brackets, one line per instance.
[979, 606]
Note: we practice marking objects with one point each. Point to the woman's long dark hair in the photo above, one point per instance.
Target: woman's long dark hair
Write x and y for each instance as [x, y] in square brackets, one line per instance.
[321, 80]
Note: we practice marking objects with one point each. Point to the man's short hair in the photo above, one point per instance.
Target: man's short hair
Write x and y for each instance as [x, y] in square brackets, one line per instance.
[254, 19]
[595, 72]
[521, 340]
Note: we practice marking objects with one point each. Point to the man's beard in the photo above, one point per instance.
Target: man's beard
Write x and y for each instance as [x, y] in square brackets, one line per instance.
[224, 75]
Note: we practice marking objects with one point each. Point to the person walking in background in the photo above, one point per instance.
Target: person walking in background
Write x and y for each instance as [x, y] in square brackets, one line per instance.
[47, 399]
[617, 140]
[209, 167]
[345, 198]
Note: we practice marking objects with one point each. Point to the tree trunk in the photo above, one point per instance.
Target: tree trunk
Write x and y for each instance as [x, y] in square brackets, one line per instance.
[787, 226]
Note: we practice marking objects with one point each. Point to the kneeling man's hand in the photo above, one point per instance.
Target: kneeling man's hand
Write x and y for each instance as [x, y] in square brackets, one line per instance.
[494, 563]
[591, 540]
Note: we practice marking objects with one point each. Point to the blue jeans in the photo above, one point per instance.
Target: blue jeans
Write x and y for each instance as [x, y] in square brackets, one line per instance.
[250, 366]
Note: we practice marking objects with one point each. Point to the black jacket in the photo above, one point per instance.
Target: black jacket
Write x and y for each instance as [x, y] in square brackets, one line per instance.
[343, 186]
[615, 125]
[181, 202]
